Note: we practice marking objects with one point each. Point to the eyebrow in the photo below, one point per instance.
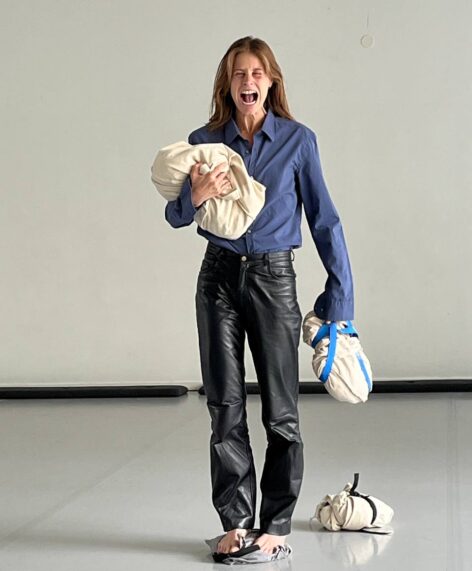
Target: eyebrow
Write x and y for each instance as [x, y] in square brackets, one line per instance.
[255, 69]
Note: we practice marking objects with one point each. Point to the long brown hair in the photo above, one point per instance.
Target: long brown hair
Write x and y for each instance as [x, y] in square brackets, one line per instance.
[222, 104]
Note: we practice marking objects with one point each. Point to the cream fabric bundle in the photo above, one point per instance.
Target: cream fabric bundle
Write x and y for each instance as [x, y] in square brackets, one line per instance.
[227, 216]
[338, 360]
[353, 511]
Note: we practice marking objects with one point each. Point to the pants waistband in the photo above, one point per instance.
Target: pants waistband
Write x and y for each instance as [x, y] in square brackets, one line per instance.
[224, 252]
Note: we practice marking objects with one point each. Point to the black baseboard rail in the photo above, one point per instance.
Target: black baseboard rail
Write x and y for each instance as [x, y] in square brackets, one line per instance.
[152, 391]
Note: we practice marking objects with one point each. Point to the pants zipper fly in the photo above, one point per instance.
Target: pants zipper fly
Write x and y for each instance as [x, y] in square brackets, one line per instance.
[242, 279]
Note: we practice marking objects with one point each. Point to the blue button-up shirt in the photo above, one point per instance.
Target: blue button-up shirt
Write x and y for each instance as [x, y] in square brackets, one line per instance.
[284, 158]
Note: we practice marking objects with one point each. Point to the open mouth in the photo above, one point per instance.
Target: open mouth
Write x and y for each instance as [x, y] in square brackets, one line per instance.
[249, 97]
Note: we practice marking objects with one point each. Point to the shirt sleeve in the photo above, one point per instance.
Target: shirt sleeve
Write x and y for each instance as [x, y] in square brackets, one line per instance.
[336, 302]
[181, 211]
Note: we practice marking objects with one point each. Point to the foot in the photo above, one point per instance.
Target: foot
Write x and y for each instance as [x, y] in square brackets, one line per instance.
[268, 542]
[232, 541]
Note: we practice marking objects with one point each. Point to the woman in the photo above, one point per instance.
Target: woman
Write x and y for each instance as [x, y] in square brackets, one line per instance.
[247, 286]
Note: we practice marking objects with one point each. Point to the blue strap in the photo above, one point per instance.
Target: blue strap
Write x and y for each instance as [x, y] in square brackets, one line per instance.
[350, 329]
[323, 331]
[331, 331]
[364, 370]
[333, 334]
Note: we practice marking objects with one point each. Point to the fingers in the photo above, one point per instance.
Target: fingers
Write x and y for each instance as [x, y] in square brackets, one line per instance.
[225, 188]
[213, 183]
[220, 170]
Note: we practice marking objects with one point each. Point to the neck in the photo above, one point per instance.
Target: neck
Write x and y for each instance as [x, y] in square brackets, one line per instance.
[250, 124]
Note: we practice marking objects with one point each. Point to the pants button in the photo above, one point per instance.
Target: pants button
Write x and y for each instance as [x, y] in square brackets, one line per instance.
[243, 258]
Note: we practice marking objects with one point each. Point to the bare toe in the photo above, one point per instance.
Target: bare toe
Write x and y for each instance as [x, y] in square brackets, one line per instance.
[231, 542]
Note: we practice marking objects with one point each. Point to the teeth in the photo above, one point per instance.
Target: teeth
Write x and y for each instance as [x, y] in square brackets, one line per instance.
[248, 91]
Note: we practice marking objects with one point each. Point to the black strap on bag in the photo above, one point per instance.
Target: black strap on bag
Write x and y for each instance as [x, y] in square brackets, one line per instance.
[220, 557]
[357, 494]
[372, 505]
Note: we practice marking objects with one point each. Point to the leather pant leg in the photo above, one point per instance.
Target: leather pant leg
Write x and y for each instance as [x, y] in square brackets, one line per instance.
[273, 322]
[221, 342]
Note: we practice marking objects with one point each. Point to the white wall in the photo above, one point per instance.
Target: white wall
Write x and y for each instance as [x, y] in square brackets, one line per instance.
[97, 288]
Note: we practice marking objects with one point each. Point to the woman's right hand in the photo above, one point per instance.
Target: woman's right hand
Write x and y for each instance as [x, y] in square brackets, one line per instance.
[209, 185]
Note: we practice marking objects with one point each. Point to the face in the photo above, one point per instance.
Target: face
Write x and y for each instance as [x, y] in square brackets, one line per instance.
[249, 74]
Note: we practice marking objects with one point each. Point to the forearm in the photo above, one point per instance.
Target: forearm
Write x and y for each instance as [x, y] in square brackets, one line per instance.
[180, 212]
[336, 303]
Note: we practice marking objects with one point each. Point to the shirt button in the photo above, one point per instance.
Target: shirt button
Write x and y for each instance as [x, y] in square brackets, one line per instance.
[247, 151]
[249, 231]
[243, 258]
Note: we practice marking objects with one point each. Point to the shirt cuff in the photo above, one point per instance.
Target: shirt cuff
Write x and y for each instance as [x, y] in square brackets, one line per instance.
[334, 309]
[188, 209]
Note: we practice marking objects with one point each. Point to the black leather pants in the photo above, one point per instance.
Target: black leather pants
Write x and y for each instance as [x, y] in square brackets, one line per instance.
[253, 294]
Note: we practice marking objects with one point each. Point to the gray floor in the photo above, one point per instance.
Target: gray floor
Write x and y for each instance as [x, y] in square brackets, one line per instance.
[124, 483]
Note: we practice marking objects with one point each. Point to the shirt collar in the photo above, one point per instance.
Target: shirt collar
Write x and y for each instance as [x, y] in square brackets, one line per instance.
[268, 127]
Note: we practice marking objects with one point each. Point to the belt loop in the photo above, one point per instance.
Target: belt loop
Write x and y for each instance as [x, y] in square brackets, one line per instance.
[293, 255]
[267, 261]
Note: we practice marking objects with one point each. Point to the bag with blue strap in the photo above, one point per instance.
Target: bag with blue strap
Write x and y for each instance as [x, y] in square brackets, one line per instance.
[339, 361]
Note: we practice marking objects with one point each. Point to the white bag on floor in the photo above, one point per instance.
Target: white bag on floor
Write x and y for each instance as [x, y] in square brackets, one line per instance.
[353, 511]
[339, 361]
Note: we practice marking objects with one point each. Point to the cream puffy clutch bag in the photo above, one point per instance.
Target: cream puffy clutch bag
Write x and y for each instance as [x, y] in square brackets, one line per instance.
[228, 215]
[339, 361]
[353, 511]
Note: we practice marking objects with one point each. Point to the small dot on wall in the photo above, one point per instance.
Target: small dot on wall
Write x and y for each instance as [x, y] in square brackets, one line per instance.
[367, 41]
